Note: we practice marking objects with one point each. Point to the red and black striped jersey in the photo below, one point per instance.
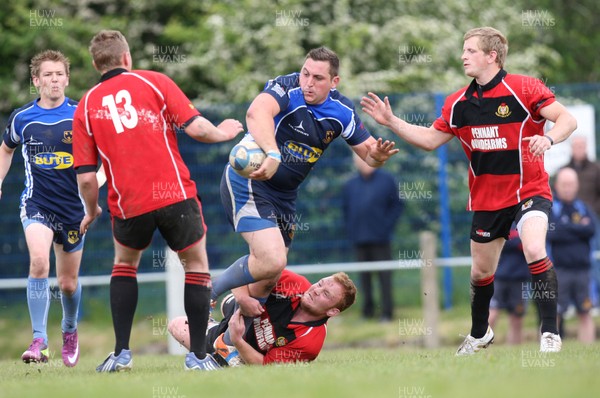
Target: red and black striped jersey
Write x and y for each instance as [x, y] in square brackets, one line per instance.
[491, 121]
[275, 335]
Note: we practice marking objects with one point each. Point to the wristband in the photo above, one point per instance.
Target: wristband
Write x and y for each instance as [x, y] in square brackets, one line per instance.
[549, 139]
[274, 155]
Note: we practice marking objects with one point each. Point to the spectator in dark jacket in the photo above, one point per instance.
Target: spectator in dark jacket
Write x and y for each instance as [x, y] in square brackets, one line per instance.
[372, 207]
[570, 232]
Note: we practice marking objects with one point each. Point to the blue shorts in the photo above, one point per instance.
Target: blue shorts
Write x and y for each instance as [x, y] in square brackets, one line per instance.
[66, 235]
[252, 205]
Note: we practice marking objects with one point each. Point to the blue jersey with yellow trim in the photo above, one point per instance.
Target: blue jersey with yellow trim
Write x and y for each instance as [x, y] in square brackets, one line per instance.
[303, 131]
[46, 139]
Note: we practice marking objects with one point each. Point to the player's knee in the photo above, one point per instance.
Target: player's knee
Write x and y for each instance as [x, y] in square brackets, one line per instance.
[535, 251]
[478, 274]
[67, 285]
[39, 266]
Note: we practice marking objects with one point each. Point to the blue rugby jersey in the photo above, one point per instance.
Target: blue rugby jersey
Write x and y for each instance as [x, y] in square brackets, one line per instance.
[303, 131]
[46, 139]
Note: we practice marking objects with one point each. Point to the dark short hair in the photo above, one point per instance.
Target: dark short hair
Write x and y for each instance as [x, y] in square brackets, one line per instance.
[327, 55]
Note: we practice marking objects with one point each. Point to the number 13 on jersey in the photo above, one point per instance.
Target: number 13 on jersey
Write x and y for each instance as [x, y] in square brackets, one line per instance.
[129, 116]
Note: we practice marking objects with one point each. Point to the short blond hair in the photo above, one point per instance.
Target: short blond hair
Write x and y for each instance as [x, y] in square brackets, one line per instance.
[490, 39]
[106, 49]
[48, 55]
[348, 288]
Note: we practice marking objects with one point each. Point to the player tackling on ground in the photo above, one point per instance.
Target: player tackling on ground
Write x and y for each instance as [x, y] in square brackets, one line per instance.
[499, 119]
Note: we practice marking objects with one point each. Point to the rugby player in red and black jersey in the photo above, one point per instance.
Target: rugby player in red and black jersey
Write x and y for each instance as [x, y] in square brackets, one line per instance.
[291, 327]
[129, 120]
[499, 119]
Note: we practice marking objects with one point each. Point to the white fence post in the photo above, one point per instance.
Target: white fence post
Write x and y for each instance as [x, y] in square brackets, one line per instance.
[429, 289]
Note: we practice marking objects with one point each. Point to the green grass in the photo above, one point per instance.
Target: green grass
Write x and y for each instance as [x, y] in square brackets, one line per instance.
[499, 371]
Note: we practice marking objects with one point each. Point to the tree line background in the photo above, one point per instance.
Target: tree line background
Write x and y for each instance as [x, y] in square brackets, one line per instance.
[222, 52]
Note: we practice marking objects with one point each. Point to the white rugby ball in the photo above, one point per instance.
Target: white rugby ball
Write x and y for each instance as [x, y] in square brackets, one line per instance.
[246, 157]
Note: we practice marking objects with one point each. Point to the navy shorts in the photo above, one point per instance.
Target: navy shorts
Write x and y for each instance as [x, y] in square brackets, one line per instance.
[252, 206]
[180, 224]
[573, 288]
[509, 295]
[490, 225]
[65, 234]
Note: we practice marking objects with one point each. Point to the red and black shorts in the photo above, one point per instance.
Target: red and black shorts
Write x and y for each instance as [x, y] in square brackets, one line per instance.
[180, 224]
[490, 225]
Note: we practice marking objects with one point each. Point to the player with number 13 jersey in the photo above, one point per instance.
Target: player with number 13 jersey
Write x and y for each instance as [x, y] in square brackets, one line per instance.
[135, 116]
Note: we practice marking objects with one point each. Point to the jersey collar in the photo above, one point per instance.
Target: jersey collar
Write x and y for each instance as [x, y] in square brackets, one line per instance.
[112, 73]
[474, 87]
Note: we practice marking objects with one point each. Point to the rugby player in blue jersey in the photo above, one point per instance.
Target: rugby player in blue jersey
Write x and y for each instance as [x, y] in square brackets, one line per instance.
[51, 209]
[294, 119]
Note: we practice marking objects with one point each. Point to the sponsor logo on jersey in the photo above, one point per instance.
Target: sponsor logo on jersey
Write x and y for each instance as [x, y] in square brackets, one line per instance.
[527, 205]
[302, 151]
[67, 137]
[503, 110]
[73, 237]
[329, 135]
[53, 160]
[483, 233]
[281, 341]
[278, 89]
[299, 128]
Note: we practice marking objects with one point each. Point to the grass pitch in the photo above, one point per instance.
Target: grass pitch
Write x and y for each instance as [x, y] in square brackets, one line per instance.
[499, 371]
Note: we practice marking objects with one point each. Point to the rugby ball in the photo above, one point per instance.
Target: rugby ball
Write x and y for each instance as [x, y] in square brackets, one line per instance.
[246, 157]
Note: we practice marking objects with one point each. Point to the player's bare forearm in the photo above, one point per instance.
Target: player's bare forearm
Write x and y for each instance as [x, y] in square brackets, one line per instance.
[237, 328]
[249, 306]
[564, 125]
[88, 188]
[201, 129]
[427, 138]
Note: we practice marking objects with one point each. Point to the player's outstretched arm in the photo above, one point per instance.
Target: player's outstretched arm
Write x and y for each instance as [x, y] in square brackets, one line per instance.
[201, 129]
[427, 138]
[236, 329]
[6, 155]
[88, 187]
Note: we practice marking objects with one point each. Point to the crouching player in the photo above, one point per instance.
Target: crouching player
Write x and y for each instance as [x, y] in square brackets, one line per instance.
[290, 327]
